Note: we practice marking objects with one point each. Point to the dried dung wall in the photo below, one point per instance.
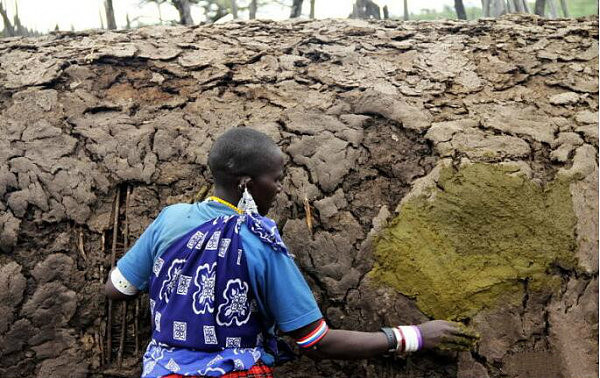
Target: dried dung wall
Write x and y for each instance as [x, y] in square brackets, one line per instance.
[451, 169]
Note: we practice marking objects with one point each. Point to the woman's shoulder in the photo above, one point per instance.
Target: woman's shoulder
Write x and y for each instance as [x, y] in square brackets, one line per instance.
[261, 233]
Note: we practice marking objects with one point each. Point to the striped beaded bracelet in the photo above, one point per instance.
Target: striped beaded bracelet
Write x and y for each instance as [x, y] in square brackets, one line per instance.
[314, 336]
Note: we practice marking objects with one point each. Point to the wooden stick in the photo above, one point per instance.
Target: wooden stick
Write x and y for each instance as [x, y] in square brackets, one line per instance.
[80, 245]
[136, 325]
[123, 333]
[102, 253]
[117, 209]
[124, 304]
[112, 265]
[201, 195]
[309, 218]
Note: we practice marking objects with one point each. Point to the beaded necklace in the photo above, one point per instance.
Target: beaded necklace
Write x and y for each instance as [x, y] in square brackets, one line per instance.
[222, 201]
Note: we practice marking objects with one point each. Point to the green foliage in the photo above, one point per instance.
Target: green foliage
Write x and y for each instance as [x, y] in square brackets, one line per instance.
[484, 236]
[580, 8]
[577, 8]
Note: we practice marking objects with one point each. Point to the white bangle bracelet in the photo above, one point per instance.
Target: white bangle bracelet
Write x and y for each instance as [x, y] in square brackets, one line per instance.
[411, 338]
[121, 284]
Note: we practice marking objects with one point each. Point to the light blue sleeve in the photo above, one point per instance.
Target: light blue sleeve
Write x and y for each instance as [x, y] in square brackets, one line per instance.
[136, 264]
[283, 294]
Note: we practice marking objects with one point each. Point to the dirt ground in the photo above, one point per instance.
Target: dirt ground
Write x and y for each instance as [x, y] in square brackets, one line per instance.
[99, 131]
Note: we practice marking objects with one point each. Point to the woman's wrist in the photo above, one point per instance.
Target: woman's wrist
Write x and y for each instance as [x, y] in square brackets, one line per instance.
[403, 339]
[412, 339]
[392, 340]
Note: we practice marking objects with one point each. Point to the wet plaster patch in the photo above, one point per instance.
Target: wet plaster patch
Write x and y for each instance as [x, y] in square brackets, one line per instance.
[484, 237]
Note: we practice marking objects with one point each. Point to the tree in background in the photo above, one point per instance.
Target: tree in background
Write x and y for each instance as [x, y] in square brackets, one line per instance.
[110, 15]
[15, 28]
[365, 9]
[296, 8]
[461, 13]
[405, 10]
[234, 9]
[9, 30]
[540, 7]
[312, 9]
[185, 12]
[252, 8]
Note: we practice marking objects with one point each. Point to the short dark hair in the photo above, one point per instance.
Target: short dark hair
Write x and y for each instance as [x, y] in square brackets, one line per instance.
[240, 152]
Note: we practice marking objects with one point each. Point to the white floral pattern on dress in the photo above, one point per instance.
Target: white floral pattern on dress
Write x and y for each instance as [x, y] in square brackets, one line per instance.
[157, 316]
[233, 342]
[183, 284]
[210, 335]
[236, 307]
[204, 298]
[213, 242]
[158, 263]
[171, 281]
[173, 366]
[193, 242]
[224, 246]
[180, 331]
[157, 353]
[238, 365]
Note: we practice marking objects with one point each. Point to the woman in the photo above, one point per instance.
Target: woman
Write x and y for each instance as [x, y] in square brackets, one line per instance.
[221, 281]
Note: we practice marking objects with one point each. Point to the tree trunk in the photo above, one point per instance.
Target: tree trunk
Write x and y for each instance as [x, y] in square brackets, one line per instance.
[565, 9]
[540, 7]
[372, 9]
[296, 9]
[461, 14]
[252, 9]
[526, 6]
[312, 9]
[185, 13]
[101, 19]
[497, 8]
[234, 9]
[386, 13]
[366, 9]
[518, 4]
[511, 6]
[8, 28]
[485, 7]
[110, 15]
[553, 8]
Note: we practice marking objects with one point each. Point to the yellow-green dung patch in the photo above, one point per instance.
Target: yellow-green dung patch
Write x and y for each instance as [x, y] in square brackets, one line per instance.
[482, 236]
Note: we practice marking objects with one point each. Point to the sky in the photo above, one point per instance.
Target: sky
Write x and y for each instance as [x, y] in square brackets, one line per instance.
[44, 15]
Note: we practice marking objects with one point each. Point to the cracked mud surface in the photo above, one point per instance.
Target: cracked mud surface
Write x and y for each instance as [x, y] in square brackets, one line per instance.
[102, 130]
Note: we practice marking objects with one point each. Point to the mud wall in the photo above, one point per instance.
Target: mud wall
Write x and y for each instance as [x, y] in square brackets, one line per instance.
[434, 170]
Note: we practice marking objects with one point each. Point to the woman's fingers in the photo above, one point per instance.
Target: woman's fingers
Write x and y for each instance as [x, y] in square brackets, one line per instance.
[461, 330]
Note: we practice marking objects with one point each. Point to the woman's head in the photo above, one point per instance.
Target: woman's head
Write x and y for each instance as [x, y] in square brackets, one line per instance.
[243, 157]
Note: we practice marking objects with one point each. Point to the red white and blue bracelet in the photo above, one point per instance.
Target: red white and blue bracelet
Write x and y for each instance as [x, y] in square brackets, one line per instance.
[314, 336]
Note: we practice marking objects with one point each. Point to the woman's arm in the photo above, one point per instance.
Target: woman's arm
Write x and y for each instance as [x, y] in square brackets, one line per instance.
[344, 344]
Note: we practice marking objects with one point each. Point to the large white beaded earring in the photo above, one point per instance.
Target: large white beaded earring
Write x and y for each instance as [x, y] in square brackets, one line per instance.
[247, 204]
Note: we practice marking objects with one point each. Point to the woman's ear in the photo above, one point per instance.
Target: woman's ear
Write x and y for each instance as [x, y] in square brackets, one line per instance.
[243, 183]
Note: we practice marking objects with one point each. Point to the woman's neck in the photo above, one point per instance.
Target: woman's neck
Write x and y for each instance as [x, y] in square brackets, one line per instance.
[230, 195]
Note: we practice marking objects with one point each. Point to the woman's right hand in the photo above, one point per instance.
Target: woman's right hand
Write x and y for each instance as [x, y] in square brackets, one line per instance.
[450, 335]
